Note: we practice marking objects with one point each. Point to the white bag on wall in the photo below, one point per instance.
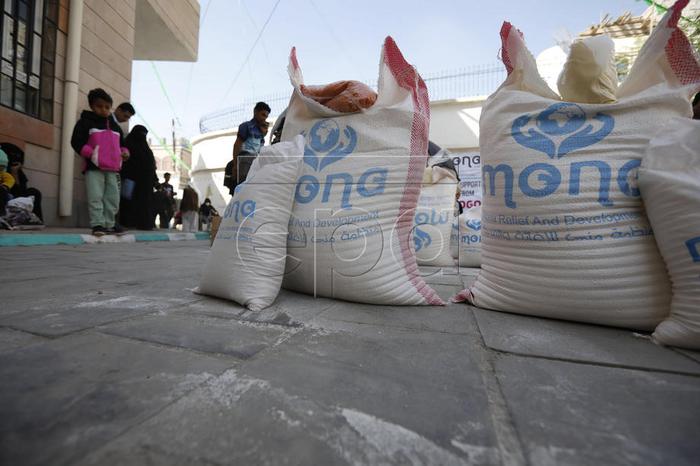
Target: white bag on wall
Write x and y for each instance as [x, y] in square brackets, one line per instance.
[350, 233]
[669, 180]
[246, 262]
[564, 233]
[434, 217]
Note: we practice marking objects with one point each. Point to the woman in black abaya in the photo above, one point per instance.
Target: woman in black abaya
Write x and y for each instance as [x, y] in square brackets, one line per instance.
[138, 177]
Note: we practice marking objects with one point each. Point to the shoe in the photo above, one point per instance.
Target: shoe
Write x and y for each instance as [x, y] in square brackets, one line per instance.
[98, 230]
[116, 230]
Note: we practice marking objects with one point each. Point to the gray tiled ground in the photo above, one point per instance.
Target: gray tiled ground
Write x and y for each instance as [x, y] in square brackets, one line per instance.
[619, 416]
[107, 357]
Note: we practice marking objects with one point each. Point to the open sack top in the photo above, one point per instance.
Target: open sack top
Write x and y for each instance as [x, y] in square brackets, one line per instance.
[666, 58]
[397, 79]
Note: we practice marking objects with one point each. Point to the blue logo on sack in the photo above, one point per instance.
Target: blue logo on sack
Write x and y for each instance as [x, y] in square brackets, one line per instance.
[324, 138]
[421, 239]
[474, 224]
[325, 145]
[693, 246]
[563, 123]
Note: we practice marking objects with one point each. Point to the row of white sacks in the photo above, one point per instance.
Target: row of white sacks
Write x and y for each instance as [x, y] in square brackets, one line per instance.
[564, 231]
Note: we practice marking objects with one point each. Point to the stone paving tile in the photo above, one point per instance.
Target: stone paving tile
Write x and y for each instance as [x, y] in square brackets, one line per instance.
[574, 414]
[10, 339]
[446, 292]
[577, 342]
[233, 338]
[691, 354]
[366, 395]
[440, 275]
[25, 273]
[448, 319]
[290, 309]
[62, 315]
[61, 399]
[263, 424]
[402, 377]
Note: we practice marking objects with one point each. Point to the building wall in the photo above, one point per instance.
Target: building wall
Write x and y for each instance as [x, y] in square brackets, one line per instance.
[109, 33]
[210, 154]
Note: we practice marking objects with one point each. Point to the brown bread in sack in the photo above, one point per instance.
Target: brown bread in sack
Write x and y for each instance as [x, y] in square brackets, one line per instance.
[342, 96]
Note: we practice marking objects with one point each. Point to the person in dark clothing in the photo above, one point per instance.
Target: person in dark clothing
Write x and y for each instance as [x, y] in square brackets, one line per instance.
[139, 174]
[206, 212]
[7, 181]
[166, 201]
[21, 188]
[229, 180]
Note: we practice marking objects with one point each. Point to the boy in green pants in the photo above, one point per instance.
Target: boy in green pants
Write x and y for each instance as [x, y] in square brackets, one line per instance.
[99, 140]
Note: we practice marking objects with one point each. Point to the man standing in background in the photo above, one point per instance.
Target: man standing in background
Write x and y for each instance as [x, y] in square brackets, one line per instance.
[250, 138]
[121, 116]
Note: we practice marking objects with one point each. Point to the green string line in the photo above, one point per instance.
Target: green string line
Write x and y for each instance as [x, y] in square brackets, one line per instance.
[165, 92]
[167, 148]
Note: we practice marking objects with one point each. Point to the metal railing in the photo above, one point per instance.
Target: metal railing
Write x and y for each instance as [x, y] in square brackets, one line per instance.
[477, 80]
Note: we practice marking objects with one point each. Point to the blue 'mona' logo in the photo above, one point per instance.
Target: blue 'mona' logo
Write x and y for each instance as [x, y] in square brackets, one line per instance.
[693, 246]
[560, 129]
[421, 239]
[474, 224]
[326, 144]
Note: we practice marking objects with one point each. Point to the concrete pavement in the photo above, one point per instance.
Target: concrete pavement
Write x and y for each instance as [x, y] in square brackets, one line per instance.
[108, 358]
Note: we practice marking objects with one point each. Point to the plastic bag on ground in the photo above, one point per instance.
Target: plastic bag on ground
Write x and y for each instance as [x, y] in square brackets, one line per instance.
[350, 232]
[564, 232]
[669, 180]
[469, 239]
[25, 203]
[434, 215]
[246, 262]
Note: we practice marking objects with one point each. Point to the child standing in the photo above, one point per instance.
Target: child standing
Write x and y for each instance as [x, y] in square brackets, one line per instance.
[99, 140]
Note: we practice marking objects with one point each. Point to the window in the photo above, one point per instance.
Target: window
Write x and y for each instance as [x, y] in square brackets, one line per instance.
[28, 36]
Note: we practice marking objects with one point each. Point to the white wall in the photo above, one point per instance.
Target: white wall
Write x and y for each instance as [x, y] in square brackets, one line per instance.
[210, 154]
[454, 123]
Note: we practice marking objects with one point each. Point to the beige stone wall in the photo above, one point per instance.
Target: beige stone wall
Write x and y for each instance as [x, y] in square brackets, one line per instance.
[167, 30]
[105, 61]
[109, 33]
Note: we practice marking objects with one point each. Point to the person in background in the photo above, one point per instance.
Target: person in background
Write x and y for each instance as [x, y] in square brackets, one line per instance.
[7, 181]
[98, 139]
[167, 204]
[206, 212]
[249, 140]
[122, 114]
[21, 189]
[188, 209]
[140, 169]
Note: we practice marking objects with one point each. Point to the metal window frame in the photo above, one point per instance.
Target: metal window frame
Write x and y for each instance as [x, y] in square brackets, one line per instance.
[29, 54]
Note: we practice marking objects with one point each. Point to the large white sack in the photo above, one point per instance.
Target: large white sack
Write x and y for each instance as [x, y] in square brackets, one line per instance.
[564, 233]
[469, 250]
[669, 180]
[434, 217]
[246, 262]
[350, 233]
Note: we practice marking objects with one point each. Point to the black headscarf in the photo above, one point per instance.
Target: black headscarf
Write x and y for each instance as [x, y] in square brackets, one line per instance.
[141, 166]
